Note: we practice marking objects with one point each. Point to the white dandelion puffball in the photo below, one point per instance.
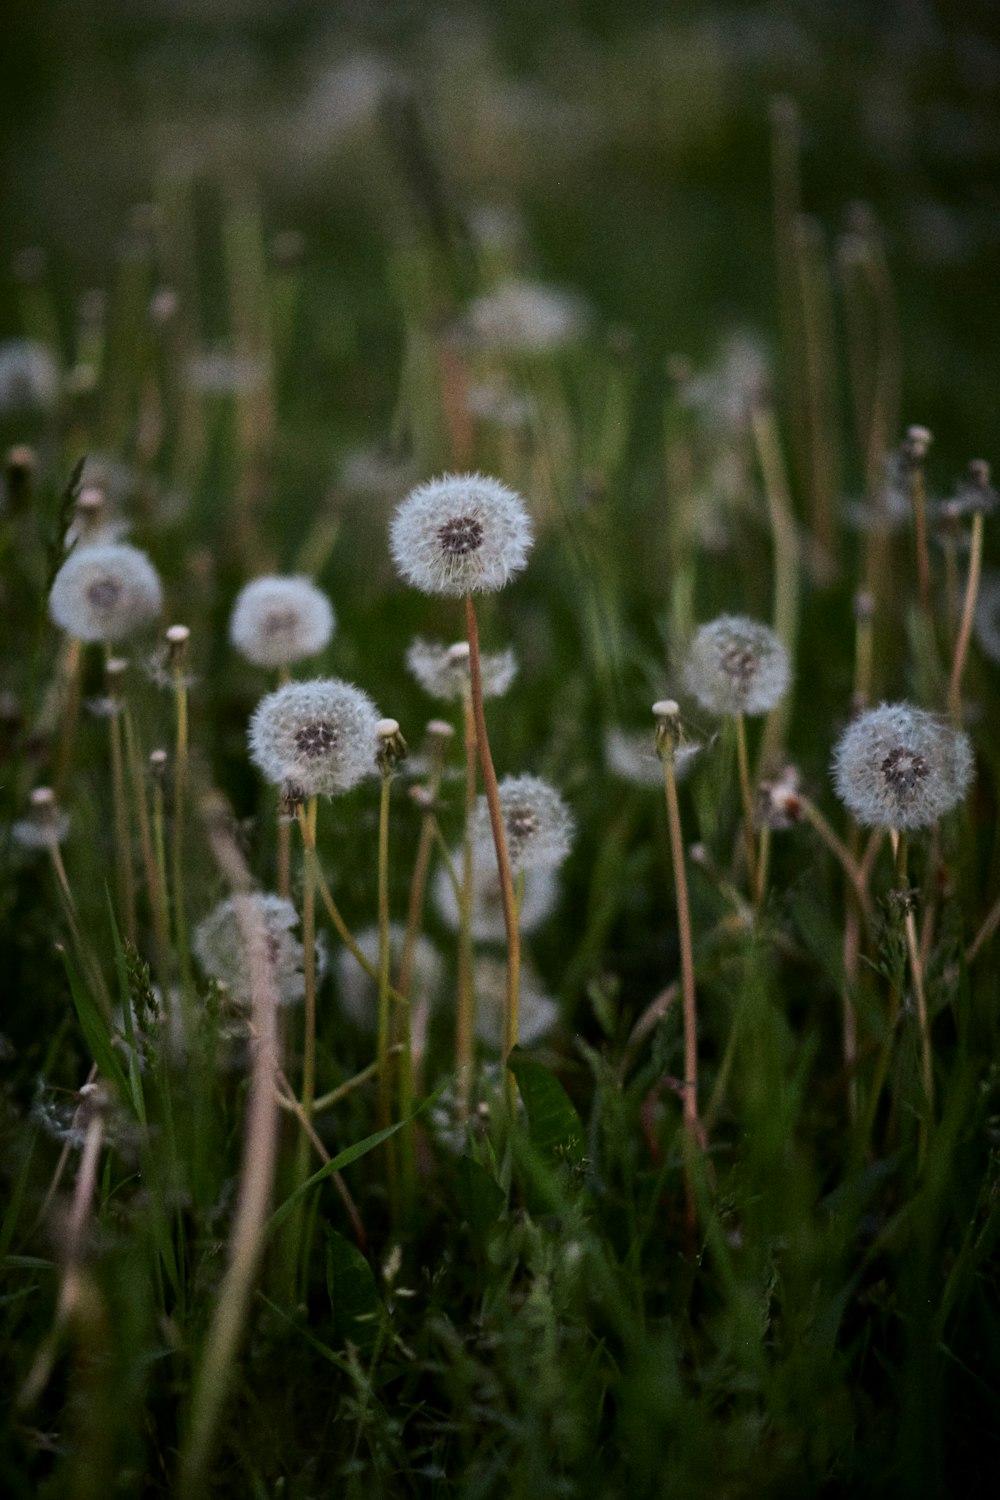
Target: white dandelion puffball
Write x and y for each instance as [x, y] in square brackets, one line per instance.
[900, 767]
[359, 992]
[462, 534]
[527, 317]
[224, 944]
[443, 671]
[105, 592]
[737, 666]
[630, 754]
[537, 1012]
[538, 824]
[541, 891]
[29, 376]
[315, 738]
[46, 825]
[277, 621]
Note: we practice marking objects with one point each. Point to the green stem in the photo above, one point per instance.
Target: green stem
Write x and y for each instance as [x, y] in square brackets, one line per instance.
[743, 761]
[968, 615]
[465, 1015]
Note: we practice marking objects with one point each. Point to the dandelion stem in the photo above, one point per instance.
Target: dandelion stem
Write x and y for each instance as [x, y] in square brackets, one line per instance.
[968, 615]
[465, 1010]
[123, 844]
[687, 954]
[309, 973]
[177, 833]
[857, 877]
[71, 671]
[156, 892]
[743, 761]
[500, 844]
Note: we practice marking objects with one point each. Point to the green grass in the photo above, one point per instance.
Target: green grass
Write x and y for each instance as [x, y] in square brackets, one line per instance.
[545, 1316]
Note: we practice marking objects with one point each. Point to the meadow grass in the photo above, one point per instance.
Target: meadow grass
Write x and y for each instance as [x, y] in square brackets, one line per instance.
[287, 1210]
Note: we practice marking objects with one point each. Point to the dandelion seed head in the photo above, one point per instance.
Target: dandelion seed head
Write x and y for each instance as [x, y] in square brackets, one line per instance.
[538, 824]
[359, 992]
[46, 825]
[319, 736]
[443, 671]
[461, 534]
[631, 756]
[900, 767]
[224, 940]
[737, 666]
[29, 376]
[537, 1011]
[527, 317]
[277, 621]
[541, 892]
[105, 592]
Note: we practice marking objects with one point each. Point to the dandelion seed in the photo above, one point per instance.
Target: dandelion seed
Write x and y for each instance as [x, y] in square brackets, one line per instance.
[527, 317]
[461, 534]
[737, 666]
[318, 737]
[46, 825]
[105, 591]
[277, 621]
[541, 892]
[359, 993]
[537, 1013]
[443, 671]
[900, 767]
[538, 824]
[221, 945]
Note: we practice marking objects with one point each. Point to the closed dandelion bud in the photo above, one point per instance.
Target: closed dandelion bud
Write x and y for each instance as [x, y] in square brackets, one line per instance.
[462, 534]
[538, 824]
[392, 747]
[158, 765]
[105, 592]
[320, 737]
[20, 471]
[277, 621]
[900, 767]
[226, 945]
[737, 666]
[359, 992]
[177, 638]
[46, 825]
[443, 671]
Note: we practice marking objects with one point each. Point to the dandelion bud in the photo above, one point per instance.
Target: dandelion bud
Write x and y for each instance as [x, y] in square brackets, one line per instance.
[864, 607]
[462, 534]
[158, 764]
[392, 747]
[440, 729]
[321, 736]
[538, 824]
[277, 621]
[916, 444]
[737, 666]
[105, 591]
[177, 638]
[900, 767]
[21, 462]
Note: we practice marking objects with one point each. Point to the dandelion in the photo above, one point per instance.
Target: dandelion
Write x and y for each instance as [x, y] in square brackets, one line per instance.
[277, 621]
[987, 623]
[443, 671]
[900, 767]
[537, 1012]
[105, 592]
[538, 898]
[737, 666]
[631, 756]
[46, 825]
[29, 376]
[459, 535]
[527, 317]
[538, 824]
[315, 738]
[359, 992]
[220, 943]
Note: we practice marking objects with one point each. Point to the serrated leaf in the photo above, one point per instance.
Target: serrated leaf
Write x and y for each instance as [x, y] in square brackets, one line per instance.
[480, 1197]
[553, 1124]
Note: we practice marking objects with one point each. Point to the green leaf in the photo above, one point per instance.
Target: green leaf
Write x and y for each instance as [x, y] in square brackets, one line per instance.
[553, 1124]
[350, 1282]
[125, 997]
[480, 1197]
[95, 1030]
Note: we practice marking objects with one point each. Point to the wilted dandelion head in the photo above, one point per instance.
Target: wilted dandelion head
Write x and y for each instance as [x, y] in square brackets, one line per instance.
[359, 992]
[46, 825]
[105, 592]
[541, 892]
[537, 1011]
[462, 534]
[900, 767]
[527, 317]
[277, 621]
[737, 666]
[538, 824]
[225, 942]
[443, 671]
[315, 738]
